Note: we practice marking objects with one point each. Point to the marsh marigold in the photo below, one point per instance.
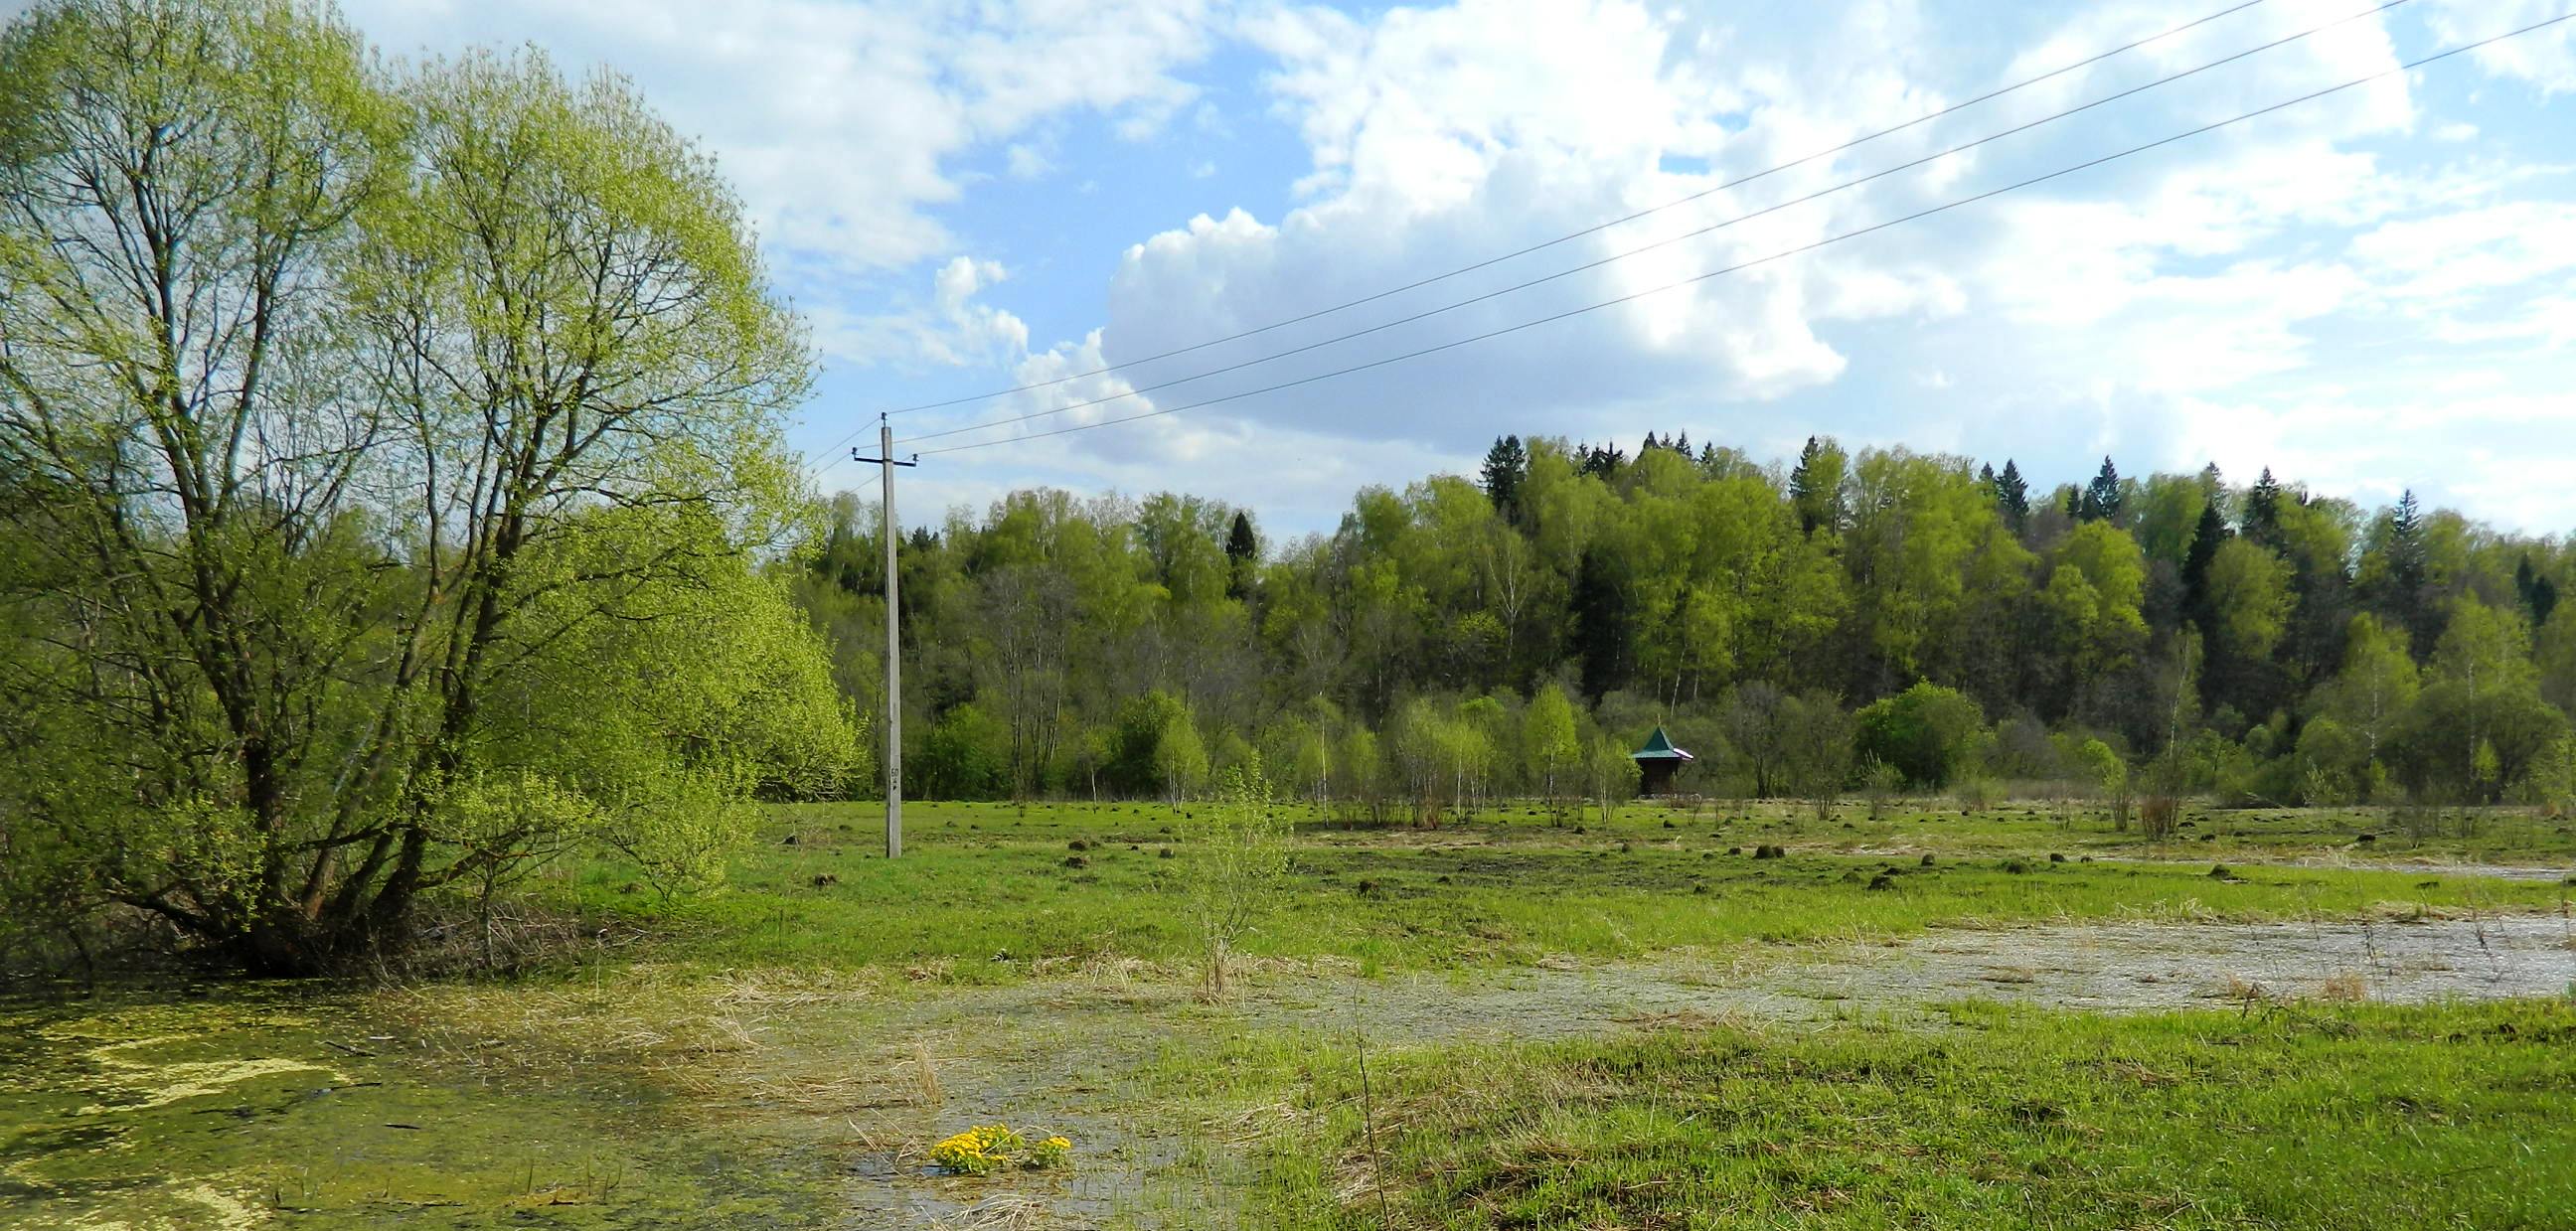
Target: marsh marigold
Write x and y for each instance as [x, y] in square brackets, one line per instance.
[991, 1147]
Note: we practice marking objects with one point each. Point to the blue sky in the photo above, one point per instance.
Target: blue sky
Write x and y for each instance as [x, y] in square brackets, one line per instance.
[2368, 292]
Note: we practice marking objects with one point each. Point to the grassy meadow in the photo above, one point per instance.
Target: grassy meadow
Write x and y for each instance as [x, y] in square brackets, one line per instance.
[2330, 1117]
[991, 892]
[785, 1052]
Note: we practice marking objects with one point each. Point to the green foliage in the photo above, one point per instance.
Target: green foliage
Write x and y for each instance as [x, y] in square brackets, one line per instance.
[1612, 776]
[1548, 741]
[2102, 768]
[1816, 747]
[1506, 465]
[507, 573]
[988, 1148]
[2376, 685]
[2103, 496]
[485, 586]
[1755, 719]
[2094, 591]
[2249, 598]
[1816, 487]
[1233, 867]
[966, 757]
[2477, 727]
[1444, 757]
[1928, 734]
[1180, 758]
[1657, 588]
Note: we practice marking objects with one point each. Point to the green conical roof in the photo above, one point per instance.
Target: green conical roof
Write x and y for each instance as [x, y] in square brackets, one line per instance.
[1659, 747]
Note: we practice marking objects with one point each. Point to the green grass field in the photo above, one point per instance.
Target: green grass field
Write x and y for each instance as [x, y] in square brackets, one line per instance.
[986, 891]
[2324, 1118]
[782, 1053]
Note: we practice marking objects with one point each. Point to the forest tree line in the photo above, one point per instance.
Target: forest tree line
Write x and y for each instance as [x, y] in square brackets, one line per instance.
[1883, 616]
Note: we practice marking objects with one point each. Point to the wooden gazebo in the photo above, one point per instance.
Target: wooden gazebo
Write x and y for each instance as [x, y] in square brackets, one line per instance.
[1657, 762]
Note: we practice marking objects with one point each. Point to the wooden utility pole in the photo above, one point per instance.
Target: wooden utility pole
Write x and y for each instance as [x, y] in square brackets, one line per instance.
[894, 644]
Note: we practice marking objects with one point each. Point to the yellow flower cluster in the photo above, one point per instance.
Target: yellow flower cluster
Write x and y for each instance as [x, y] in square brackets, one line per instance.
[988, 1148]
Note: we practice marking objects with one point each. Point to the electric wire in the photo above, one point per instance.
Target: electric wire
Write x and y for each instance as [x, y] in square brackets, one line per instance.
[2017, 185]
[1665, 242]
[1676, 203]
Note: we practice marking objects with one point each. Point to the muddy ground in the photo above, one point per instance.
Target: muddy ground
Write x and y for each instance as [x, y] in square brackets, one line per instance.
[785, 1104]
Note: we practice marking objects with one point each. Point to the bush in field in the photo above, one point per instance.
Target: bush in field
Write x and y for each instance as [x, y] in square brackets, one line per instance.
[1975, 792]
[2107, 773]
[1879, 783]
[1928, 733]
[2552, 782]
[1816, 749]
[2160, 800]
[1363, 772]
[1612, 775]
[1233, 864]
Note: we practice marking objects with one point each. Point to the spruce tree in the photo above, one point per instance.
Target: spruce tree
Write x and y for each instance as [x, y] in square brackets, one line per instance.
[1242, 554]
[1816, 486]
[2101, 496]
[2205, 541]
[2539, 594]
[1601, 634]
[2012, 495]
[2408, 573]
[2262, 520]
[1506, 464]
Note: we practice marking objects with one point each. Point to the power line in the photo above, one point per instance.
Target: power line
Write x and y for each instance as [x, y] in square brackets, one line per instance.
[1661, 243]
[1785, 253]
[1417, 284]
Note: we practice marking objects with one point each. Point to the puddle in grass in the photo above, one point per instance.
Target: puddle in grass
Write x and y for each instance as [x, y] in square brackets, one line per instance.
[256, 1109]
[2106, 968]
[2418, 867]
[1051, 1054]
[249, 1106]
[2339, 862]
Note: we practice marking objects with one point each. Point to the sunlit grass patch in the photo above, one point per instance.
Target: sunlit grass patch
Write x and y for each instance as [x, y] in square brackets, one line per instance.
[983, 894]
[2332, 1116]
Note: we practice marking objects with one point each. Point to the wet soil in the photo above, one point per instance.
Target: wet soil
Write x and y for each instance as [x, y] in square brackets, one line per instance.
[1063, 1059]
[255, 1109]
[241, 1106]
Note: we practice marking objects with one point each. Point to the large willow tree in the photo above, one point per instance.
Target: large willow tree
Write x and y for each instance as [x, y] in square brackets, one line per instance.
[388, 457]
